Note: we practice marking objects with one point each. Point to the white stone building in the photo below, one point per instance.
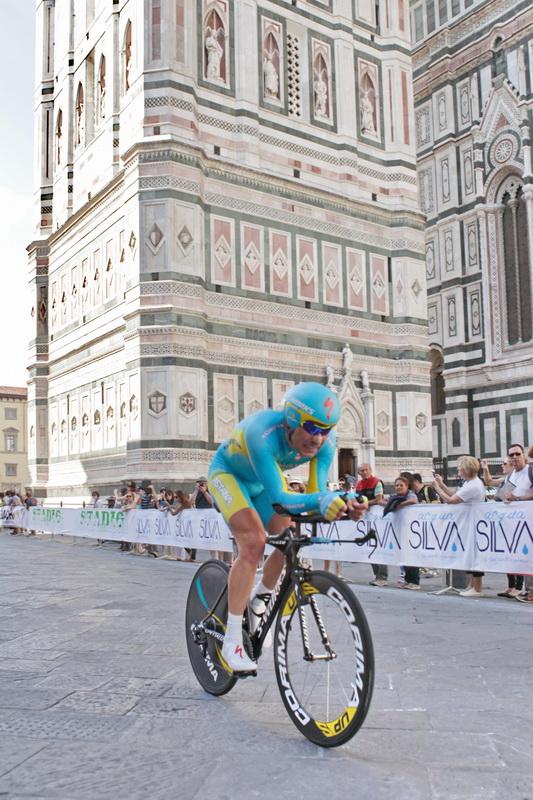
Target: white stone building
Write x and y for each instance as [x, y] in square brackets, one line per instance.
[226, 197]
[473, 83]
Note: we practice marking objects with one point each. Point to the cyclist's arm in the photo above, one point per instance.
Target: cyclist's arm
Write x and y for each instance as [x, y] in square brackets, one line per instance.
[320, 465]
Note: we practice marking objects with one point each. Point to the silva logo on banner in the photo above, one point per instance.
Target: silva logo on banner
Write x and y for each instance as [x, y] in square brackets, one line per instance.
[387, 538]
[505, 532]
[435, 534]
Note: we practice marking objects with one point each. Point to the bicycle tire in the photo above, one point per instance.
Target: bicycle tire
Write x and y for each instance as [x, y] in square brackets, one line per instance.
[209, 667]
[306, 687]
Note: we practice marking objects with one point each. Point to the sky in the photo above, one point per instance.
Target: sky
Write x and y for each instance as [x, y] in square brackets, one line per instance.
[16, 184]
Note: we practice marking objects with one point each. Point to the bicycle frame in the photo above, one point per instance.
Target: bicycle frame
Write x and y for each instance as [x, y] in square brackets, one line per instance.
[289, 543]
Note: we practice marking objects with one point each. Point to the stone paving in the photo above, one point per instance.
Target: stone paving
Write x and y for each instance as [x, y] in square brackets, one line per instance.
[97, 699]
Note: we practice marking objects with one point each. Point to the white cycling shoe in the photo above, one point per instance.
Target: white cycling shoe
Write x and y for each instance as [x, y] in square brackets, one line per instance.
[236, 657]
[257, 608]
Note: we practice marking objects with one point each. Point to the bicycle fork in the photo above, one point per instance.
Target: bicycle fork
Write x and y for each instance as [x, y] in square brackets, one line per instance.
[302, 601]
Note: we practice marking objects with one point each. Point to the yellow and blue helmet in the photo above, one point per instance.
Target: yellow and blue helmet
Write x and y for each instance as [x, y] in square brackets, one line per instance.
[311, 403]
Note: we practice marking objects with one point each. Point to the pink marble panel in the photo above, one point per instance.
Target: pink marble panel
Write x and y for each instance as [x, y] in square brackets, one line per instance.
[379, 285]
[331, 270]
[280, 263]
[356, 269]
[222, 252]
[252, 258]
[307, 269]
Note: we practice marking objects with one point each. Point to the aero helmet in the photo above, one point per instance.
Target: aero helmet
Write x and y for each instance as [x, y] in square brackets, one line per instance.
[311, 401]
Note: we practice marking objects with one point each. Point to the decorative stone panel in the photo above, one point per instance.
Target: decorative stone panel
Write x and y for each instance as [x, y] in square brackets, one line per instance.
[222, 251]
[226, 405]
[383, 419]
[255, 395]
[307, 269]
[356, 279]
[279, 390]
[252, 258]
[332, 275]
[280, 263]
[379, 285]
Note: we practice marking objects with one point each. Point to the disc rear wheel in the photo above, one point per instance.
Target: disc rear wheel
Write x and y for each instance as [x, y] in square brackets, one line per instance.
[205, 625]
[326, 686]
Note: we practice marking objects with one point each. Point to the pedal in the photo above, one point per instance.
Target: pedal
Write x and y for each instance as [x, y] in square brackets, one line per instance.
[251, 674]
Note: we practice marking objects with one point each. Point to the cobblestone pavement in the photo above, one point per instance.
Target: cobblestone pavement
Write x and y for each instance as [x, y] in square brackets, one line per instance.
[97, 699]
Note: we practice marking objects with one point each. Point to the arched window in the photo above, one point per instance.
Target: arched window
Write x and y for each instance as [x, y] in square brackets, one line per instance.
[456, 433]
[59, 136]
[438, 398]
[516, 267]
[79, 137]
[101, 91]
[127, 56]
[499, 64]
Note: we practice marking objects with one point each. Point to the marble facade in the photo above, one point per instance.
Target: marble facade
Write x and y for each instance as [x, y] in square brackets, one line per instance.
[227, 203]
[473, 85]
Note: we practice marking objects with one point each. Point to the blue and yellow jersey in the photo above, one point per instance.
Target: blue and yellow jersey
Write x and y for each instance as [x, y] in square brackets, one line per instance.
[247, 469]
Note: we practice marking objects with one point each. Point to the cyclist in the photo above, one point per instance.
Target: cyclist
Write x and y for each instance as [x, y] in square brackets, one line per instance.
[246, 478]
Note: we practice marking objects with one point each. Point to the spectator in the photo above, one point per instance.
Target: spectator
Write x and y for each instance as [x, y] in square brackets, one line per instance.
[404, 496]
[472, 491]
[372, 488]
[96, 501]
[201, 498]
[170, 505]
[528, 596]
[503, 483]
[515, 583]
[29, 501]
[128, 502]
[424, 493]
[147, 500]
[521, 479]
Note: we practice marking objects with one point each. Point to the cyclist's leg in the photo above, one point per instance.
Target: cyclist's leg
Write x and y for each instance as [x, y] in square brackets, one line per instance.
[274, 523]
[234, 502]
[248, 530]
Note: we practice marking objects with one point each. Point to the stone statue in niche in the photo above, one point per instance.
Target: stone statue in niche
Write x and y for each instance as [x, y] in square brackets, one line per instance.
[347, 359]
[365, 380]
[59, 134]
[367, 114]
[330, 376]
[270, 76]
[127, 66]
[80, 121]
[321, 96]
[214, 55]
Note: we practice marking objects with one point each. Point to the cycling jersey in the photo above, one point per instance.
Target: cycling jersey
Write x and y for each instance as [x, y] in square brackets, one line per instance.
[247, 469]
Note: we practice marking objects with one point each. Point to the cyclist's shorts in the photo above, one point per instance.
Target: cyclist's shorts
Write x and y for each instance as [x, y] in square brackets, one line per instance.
[231, 494]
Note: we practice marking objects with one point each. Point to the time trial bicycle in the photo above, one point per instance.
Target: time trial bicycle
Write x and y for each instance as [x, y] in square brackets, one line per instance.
[323, 652]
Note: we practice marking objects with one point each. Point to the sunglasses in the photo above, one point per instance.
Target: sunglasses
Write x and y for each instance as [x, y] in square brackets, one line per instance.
[313, 429]
[511, 455]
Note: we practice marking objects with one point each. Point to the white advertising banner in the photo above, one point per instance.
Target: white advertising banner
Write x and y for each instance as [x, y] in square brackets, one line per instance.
[486, 537]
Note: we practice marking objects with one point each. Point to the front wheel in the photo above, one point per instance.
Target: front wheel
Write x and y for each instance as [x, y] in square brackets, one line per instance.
[206, 617]
[324, 660]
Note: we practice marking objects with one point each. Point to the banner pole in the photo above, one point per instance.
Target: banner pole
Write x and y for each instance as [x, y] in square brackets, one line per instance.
[448, 585]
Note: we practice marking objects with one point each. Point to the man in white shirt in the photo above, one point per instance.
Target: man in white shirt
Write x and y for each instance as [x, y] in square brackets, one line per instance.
[523, 490]
[520, 476]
